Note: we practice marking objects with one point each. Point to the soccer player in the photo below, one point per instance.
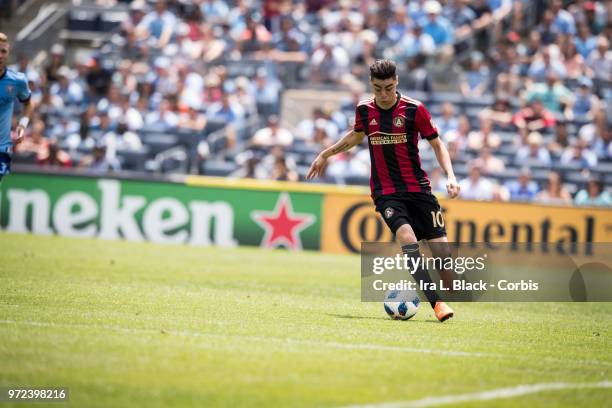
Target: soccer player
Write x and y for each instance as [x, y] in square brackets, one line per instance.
[12, 85]
[400, 188]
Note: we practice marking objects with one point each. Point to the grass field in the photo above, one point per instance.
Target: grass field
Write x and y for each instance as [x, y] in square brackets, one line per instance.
[124, 324]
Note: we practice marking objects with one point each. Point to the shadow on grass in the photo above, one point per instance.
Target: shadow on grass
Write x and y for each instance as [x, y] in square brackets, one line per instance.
[341, 316]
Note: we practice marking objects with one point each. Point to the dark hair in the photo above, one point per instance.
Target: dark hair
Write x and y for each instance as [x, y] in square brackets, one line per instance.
[382, 69]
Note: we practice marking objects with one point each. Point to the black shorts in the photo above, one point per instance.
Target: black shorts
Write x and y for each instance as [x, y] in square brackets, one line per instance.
[421, 210]
[5, 164]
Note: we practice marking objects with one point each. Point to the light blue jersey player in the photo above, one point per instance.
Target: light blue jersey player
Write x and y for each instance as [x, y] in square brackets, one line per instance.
[13, 85]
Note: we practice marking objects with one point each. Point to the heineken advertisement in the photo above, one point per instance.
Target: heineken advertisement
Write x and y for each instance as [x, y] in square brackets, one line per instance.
[163, 212]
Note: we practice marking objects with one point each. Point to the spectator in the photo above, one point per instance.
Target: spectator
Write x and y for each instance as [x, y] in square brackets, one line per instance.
[603, 145]
[534, 153]
[547, 61]
[563, 22]
[447, 121]
[600, 59]
[192, 119]
[475, 81]
[248, 163]
[54, 156]
[554, 95]
[489, 164]
[227, 110]
[330, 63]
[159, 24]
[587, 103]
[547, 30]
[437, 26]
[272, 135]
[416, 77]
[349, 164]
[82, 139]
[595, 128]
[484, 137]
[320, 138]
[561, 140]
[71, 92]
[267, 88]
[121, 138]
[416, 42]
[57, 60]
[277, 165]
[523, 189]
[580, 154]
[594, 195]
[321, 116]
[585, 41]
[461, 134]
[98, 78]
[34, 143]
[555, 193]
[164, 117]
[437, 181]
[534, 117]
[500, 113]
[254, 35]
[99, 161]
[476, 187]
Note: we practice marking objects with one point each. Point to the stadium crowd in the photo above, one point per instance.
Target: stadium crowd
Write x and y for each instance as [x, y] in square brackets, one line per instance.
[527, 119]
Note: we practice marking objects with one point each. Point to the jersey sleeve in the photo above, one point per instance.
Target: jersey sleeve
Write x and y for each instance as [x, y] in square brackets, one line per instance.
[24, 94]
[358, 127]
[424, 123]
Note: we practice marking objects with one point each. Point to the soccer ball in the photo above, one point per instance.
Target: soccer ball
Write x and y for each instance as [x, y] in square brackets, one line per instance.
[401, 304]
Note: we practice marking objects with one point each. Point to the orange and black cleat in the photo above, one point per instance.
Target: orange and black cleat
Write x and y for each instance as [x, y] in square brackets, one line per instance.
[443, 311]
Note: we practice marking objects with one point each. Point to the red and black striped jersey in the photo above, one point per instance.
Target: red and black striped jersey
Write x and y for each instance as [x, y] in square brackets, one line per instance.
[393, 136]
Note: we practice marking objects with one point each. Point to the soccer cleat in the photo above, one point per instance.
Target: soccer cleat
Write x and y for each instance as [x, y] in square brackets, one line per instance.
[443, 311]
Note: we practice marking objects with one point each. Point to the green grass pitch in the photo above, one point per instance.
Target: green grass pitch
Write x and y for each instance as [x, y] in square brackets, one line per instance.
[126, 324]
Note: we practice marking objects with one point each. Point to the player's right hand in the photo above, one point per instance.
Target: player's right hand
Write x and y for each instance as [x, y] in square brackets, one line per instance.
[452, 188]
[17, 135]
[317, 168]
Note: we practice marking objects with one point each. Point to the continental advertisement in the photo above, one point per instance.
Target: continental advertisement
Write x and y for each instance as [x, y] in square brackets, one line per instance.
[205, 211]
[350, 220]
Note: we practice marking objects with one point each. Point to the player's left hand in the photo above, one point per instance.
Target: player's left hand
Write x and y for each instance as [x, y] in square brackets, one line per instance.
[452, 188]
[19, 133]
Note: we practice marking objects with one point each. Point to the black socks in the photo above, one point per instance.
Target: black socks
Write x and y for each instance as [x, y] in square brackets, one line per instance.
[421, 275]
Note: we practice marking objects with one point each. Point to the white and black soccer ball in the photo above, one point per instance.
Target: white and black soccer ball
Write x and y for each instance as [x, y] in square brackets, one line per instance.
[401, 304]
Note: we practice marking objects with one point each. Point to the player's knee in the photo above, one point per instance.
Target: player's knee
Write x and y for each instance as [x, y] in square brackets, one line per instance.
[405, 234]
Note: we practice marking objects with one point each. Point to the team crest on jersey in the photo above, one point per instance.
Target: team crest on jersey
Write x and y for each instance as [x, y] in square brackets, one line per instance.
[398, 121]
[389, 213]
[9, 89]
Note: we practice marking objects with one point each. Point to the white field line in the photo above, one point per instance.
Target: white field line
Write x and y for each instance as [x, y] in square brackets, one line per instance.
[498, 393]
[346, 346]
[186, 333]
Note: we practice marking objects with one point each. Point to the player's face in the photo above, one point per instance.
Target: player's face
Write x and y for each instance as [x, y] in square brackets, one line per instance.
[4, 54]
[384, 90]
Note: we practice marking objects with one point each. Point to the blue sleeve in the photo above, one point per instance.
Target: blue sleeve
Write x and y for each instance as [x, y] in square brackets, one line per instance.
[24, 93]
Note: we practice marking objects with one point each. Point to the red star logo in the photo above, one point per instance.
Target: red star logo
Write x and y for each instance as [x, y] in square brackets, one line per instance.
[282, 226]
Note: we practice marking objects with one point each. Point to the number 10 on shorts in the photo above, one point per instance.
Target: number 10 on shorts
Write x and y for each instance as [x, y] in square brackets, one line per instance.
[437, 219]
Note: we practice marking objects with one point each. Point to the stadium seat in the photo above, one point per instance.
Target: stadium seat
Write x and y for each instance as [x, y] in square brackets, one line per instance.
[133, 159]
[214, 125]
[266, 109]
[357, 180]
[218, 168]
[158, 142]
